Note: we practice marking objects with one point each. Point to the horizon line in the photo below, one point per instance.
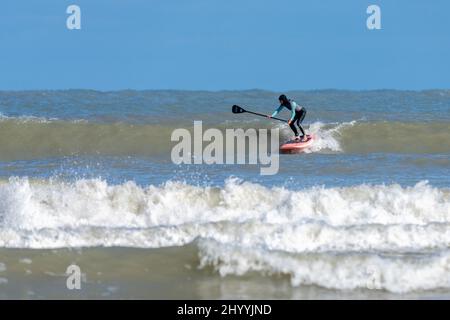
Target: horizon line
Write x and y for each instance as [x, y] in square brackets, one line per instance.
[225, 90]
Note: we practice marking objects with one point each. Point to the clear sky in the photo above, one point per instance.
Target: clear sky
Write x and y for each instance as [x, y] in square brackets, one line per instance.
[224, 44]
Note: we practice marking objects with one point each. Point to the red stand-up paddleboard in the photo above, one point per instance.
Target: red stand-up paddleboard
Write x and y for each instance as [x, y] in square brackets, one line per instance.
[295, 146]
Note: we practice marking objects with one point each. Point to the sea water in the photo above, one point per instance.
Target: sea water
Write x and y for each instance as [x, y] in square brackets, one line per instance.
[86, 178]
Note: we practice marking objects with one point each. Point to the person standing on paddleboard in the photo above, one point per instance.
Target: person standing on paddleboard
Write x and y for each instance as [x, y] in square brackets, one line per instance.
[298, 113]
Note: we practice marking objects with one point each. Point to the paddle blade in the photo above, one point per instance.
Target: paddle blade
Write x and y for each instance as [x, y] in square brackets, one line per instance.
[237, 109]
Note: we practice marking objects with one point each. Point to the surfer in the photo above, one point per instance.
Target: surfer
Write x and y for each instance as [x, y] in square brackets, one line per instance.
[297, 115]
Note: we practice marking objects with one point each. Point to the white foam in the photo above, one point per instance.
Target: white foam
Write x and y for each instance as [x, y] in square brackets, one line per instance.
[328, 223]
[35, 119]
[344, 272]
[26, 118]
[327, 135]
[26, 261]
[53, 205]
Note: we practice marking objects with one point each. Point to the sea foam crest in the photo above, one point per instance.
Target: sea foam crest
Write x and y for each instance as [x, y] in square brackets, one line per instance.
[325, 236]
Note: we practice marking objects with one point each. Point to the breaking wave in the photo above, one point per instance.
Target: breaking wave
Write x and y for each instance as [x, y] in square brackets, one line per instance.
[32, 138]
[397, 237]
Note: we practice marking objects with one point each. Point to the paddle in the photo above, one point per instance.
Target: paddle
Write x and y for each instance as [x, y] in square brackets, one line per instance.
[237, 109]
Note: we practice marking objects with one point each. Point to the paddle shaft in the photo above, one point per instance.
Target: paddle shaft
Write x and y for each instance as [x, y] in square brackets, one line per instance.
[263, 115]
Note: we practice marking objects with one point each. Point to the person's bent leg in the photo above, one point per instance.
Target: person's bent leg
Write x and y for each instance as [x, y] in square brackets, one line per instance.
[301, 129]
[292, 125]
[300, 116]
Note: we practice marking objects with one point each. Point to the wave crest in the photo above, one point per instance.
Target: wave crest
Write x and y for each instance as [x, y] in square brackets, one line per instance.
[319, 235]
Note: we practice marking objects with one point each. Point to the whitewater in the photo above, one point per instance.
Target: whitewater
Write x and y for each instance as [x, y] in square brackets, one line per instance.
[244, 226]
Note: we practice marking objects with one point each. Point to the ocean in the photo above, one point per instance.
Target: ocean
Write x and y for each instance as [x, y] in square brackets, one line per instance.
[87, 179]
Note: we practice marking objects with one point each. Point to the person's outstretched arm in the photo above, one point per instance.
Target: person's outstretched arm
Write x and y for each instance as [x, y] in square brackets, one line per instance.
[277, 110]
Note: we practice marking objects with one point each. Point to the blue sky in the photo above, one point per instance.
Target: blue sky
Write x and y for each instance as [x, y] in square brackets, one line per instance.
[227, 44]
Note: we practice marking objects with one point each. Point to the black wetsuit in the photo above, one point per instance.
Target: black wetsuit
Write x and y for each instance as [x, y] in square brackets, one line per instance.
[298, 113]
[299, 116]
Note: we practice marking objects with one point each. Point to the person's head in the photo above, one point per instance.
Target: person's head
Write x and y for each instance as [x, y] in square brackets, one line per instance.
[283, 100]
